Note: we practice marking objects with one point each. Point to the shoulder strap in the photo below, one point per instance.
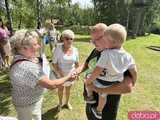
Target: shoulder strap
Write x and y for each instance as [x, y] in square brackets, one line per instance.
[20, 60]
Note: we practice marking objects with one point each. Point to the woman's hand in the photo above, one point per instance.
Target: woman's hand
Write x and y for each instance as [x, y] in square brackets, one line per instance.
[73, 75]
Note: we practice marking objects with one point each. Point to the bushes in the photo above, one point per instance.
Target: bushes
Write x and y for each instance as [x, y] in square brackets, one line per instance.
[77, 29]
[155, 28]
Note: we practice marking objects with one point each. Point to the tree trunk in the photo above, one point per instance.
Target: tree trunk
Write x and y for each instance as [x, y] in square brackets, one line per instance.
[9, 17]
[20, 22]
[128, 14]
[39, 19]
[138, 17]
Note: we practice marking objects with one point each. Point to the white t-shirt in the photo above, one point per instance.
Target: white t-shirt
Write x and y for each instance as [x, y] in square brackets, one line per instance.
[65, 62]
[115, 62]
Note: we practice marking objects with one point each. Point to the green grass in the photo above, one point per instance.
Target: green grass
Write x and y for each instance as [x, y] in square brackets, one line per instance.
[145, 95]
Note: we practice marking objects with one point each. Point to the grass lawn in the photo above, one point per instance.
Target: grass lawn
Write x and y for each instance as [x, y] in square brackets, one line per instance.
[145, 95]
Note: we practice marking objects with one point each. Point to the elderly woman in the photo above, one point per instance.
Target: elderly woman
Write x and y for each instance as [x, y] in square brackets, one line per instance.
[27, 78]
[65, 59]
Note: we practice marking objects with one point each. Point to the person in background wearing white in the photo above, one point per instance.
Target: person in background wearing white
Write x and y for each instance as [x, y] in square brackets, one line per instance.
[65, 59]
[52, 35]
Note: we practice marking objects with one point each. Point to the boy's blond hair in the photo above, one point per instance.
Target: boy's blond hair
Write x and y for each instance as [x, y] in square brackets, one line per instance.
[117, 33]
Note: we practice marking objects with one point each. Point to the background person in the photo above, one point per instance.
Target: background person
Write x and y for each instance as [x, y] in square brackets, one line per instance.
[52, 35]
[4, 45]
[27, 77]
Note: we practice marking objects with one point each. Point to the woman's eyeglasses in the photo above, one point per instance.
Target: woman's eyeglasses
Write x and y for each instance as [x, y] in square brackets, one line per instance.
[68, 38]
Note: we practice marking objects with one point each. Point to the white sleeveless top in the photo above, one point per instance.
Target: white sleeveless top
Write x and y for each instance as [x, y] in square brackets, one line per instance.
[65, 62]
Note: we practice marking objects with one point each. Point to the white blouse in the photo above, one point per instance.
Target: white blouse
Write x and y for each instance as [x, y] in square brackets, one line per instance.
[65, 62]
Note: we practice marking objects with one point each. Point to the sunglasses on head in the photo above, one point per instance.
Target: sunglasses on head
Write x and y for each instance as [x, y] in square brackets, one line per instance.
[27, 34]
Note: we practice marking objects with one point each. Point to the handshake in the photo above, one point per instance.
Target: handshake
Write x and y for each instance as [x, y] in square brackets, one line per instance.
[73, 75]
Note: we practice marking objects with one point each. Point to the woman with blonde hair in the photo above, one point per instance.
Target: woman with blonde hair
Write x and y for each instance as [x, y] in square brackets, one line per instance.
[27, 77]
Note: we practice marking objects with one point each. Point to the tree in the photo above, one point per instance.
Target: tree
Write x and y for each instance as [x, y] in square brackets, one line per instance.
[9, 16]
[133, 14]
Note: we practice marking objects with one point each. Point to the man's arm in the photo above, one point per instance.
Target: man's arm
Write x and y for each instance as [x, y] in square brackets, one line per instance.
[133, 74]
[125, 86]
[82, 68]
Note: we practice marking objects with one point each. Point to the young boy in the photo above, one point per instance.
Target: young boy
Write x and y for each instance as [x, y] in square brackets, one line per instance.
[114, 61]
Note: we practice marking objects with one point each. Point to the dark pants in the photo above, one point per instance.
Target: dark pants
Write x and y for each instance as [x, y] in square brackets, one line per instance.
[110, 110]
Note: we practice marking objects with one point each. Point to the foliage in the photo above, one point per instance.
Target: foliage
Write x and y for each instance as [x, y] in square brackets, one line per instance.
[136, 15]
[155, 28]
[25, 13]
[78, 29]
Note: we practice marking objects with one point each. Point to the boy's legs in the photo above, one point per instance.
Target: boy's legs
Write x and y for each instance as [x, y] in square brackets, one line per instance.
[101, 103]
[97, 111]
[89, 98]
[89, 91]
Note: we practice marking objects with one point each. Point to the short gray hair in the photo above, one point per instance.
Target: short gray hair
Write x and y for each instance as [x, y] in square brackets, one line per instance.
[22, 38]
[68, 33]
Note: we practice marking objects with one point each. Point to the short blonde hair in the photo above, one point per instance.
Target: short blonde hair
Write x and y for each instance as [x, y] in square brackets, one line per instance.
[21, 38]
[117, 32]
[68, 33]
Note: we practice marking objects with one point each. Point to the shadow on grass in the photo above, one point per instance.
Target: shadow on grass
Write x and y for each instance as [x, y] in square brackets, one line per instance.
[5, 93]
[156, 48]
[51, 114]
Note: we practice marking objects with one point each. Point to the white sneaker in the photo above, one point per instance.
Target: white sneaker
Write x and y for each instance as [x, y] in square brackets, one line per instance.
[96, 113]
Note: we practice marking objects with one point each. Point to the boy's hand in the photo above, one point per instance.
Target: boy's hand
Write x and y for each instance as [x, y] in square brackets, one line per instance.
[87, 80]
